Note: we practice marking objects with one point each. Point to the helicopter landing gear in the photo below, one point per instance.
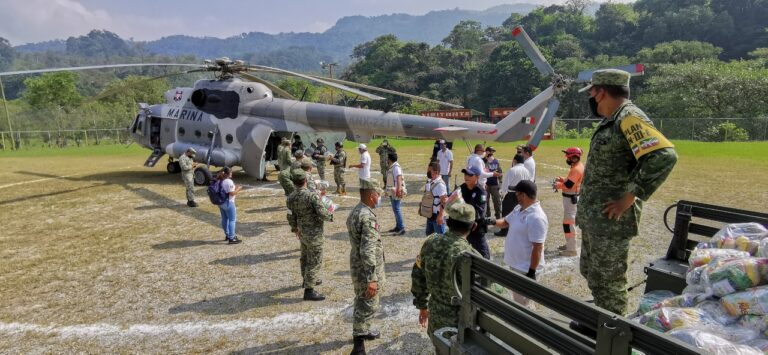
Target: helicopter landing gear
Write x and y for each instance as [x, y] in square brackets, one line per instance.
[202, 176]
[173, 167]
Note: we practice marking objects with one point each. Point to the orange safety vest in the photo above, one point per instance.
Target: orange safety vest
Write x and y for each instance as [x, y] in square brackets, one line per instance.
[575, 174]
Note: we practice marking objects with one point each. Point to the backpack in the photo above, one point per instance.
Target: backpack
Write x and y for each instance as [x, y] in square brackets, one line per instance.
[216, 193]
[427, 201]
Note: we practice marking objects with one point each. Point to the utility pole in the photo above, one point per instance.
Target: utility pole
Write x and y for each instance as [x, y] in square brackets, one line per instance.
[7, 116]
[329, 66]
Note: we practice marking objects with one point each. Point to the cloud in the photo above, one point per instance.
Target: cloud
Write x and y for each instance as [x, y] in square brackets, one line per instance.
[36, 20]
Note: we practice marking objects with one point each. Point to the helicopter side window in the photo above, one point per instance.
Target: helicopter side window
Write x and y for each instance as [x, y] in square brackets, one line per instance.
[198, 134]
[210, 135]
[181, 131]
[139, 127]
[229, 139]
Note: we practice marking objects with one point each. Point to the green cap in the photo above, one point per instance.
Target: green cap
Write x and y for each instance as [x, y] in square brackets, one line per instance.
[461, 212]
[614, 77]
[298, 175]
[369, 184]
[306, 164]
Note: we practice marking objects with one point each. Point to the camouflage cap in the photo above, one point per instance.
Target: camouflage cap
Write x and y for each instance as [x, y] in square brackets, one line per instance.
[461, 212]
[191, 150]
[306, 164]
[298, 154]
[320, 140]
[614, 77]
[370, 184]
[298, 175]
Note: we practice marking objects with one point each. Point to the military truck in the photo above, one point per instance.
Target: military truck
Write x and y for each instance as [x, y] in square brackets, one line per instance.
[492, 324]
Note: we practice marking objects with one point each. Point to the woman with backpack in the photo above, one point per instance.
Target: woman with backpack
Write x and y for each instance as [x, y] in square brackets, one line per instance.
[227, 208]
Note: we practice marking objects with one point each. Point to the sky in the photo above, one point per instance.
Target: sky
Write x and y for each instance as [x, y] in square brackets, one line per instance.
[25, 21]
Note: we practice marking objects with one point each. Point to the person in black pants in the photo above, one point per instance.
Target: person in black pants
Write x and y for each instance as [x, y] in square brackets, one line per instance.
[474, 195]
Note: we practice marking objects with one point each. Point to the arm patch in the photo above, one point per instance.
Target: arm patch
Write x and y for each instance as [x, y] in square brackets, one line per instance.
[643, 137]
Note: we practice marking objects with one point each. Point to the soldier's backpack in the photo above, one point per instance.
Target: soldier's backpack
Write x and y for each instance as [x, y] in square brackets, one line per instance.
[428, 201]
[216, 192]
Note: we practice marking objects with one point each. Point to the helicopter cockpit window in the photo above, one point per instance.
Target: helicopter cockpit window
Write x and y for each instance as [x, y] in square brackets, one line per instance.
[198, 134]
[181, 131]
[229, 138]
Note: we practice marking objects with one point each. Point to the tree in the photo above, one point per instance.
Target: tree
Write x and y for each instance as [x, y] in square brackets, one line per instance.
[55, 90]
[678, 52]
[98, 44]
[466, 35]
[616, 26]
[6, 53]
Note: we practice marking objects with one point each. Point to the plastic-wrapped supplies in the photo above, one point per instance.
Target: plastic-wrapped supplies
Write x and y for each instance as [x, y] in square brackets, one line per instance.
[715, 310]
[666, 318]
[735, 275]
[759, 323]
[651, 299]
[760, 344]
[711, 342]
[701, 257]
[752, 301]
[740, 236]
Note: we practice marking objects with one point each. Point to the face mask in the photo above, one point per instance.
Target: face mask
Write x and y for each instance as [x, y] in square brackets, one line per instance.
[568, 161]
[429, 175]
[593, 106]
[378, 202]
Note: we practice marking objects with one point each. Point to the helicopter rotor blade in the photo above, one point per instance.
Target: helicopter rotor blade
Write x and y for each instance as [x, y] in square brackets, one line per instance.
[387, 91]
[270, 85]
[532, 51]
[632, 69]
[35, 71]
[323, 81]
[115, 90]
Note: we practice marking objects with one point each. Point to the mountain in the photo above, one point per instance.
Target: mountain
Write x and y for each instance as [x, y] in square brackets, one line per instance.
[335, 44]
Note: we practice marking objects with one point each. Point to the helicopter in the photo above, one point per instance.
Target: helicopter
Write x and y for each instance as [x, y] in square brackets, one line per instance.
[237, 120]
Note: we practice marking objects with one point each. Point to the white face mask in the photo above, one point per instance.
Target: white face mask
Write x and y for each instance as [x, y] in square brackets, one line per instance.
[378, 202]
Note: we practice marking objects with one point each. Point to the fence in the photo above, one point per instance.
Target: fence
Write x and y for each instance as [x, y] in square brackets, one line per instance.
[63, 138]
[704, 129]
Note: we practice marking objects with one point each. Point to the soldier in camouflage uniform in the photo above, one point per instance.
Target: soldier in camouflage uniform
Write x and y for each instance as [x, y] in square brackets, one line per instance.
[187, 164]
[628, 160]
[306, 215]
[284, 154]
[431, 278]
[306, 165]
[366, 262]
[319, 157]
[339, 162]
[284, 177]
[384, 149]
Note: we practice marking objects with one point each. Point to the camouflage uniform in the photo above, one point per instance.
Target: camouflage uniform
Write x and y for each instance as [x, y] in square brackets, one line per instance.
[366, 261]
[188, 175]
[284, 156]
[339, 162]
[627, 154]
[284, 177]
[383, 150]
[431, 278]
[319, 157]
[306, 214]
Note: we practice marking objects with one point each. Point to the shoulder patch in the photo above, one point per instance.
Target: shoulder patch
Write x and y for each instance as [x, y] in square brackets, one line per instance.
[643, 137]
[418, 261]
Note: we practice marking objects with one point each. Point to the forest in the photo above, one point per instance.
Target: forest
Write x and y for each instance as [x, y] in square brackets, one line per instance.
[704, 60]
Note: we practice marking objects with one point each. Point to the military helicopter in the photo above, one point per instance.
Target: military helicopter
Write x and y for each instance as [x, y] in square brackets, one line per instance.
[236, 120]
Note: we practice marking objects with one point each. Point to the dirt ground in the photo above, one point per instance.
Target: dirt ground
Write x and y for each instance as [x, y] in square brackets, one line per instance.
[98, 254]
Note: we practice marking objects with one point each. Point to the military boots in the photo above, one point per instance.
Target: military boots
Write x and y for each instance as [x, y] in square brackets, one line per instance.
[312, 295]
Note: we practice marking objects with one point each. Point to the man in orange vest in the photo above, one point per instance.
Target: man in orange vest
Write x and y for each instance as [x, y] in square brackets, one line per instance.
[570, 186]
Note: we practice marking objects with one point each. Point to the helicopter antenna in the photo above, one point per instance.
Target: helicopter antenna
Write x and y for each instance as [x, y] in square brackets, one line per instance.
[304, 94]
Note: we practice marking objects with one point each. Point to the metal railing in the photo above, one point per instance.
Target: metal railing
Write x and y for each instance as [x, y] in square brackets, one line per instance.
[704, 129]
[63, 138]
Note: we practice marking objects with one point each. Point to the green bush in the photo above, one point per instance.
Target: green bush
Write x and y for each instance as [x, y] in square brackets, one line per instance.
[725, 132]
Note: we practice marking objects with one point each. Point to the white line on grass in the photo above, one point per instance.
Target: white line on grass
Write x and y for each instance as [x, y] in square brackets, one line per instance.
[53, 178]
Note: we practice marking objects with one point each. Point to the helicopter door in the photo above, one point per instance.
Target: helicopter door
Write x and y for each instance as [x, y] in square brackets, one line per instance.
[154, 132]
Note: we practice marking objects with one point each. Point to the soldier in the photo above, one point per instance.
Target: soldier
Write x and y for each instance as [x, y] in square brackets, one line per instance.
[431, 277]
[285, 175]
[366, 262]
[339, 162]
[384, 150]
[187, 164]
[306, 215]
[306, 165]
[284, 154]
[492, 184]
[628, 160]
[570, 186]
[319, 157]
[297, 145]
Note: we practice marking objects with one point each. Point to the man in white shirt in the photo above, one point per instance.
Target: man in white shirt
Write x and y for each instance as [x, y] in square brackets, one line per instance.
[364, 168]
[512, 177]
[436, 186]
[528, 224]
[530, 164]
[476, 161]
[395, 189]
[445, 158]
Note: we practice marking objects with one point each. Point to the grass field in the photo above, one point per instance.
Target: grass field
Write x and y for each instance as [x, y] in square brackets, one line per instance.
[99, 254]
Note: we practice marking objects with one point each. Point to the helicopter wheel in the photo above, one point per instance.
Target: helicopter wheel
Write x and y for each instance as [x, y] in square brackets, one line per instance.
[173, 167]
[202, 176]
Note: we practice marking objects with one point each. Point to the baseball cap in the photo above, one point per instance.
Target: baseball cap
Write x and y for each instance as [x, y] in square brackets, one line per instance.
[613, 77]
[298, 175]
[442, 141]
[362, 146]
[490, 149]
[191, 150]
[461, 212]
[471, 170]
[299, 153]
[525, 186]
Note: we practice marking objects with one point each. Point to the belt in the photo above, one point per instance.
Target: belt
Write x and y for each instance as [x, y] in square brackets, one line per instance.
[570, 195]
